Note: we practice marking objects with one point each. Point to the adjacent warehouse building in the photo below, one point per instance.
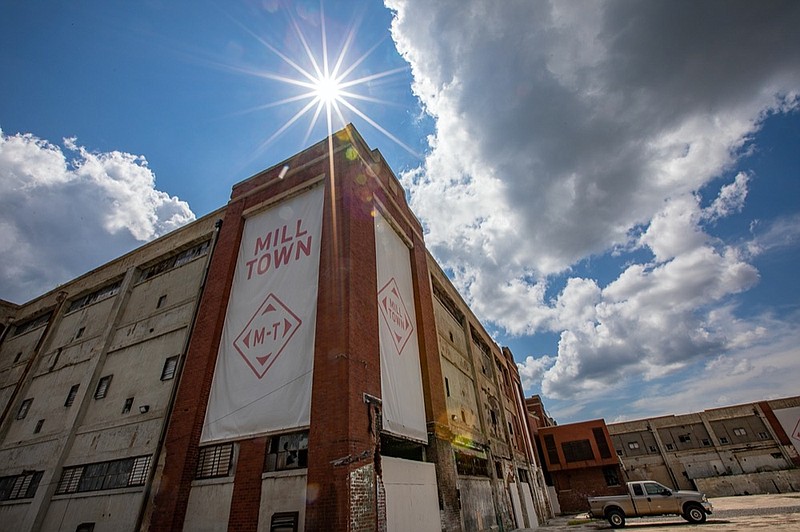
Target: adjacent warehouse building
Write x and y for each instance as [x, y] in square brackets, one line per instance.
[294, 360]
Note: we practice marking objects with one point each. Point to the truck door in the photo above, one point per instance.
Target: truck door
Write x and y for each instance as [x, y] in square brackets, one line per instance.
[641, 500]
[660, 498]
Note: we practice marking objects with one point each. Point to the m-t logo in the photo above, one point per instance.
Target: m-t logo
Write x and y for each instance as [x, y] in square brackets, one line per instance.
[266, 334]
[395, 315]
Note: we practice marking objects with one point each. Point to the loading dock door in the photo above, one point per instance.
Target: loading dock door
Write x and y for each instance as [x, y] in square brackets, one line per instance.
[412, 502]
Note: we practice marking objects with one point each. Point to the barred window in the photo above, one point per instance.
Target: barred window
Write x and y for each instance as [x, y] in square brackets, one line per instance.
[175, 261]
[113, 474]
[215, 461]
[96, 296]
[168, 371]
[22, 486]
[288, 451]
[102, 387]
[71, 395]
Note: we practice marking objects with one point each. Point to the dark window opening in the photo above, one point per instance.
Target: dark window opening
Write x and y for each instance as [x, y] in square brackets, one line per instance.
[80, 332]
[71, 395]
[38, 428]
[611, 476]
[99, 295]
[401, 448]
[102, 387]
[161, 301]
[602, 444]
[22, 486]
[550, 447]
[23, 408]
[577, 451]
[168, 371]
[128, 404]
[471, 465]
[288, 451]
[447, 386]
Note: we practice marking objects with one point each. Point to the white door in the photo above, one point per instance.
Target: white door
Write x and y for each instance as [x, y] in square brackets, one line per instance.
[412, 502]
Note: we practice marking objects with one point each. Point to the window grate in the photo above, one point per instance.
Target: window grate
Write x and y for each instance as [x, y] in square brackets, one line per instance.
[124, 473]
[215, 461]
[102, 387]
[168, 371]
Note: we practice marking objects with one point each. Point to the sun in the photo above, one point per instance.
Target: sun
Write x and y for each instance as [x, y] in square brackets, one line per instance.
[328, 89]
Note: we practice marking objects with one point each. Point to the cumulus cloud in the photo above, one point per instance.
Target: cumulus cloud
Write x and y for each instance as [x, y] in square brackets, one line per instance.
[65, 211]
[569, 130]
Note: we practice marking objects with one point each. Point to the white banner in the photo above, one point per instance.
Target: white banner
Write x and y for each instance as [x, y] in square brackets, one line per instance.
[262, 380]
[789, 419]
[401, 378]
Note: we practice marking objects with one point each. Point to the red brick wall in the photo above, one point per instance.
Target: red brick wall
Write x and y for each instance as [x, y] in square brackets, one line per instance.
[574, 487]
[247, 485]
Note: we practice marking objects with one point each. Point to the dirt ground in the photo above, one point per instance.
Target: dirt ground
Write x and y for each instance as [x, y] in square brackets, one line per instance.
[751, 512]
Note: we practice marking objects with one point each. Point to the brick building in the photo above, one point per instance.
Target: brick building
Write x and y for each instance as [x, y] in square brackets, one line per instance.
[580, 463]
[295, 359]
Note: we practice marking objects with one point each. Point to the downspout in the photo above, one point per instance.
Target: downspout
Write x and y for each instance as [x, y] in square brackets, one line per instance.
[171, 405]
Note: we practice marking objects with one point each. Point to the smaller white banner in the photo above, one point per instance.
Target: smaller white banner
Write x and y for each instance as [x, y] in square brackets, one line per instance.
[401, 377]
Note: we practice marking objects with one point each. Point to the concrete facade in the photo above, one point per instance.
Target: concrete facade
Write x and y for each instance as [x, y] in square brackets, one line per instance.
[735, 445]
[104, 383]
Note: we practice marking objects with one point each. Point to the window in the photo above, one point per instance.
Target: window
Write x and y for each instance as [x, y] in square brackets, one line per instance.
[175, 261]
[653, 449]
[54, 359]
[776, 455]
[128, 404]
[17, 357]
[113, 474]
[38, 427]
[510, 429]
[85, 527]
[763, 435]
[602, 444]
[654, 488]
[471, 465]
[99, 295]
[215, 461]
[550, 446]
[619, 452]
[723, 440]
[102, 387]
[30, 324]
[670, 447]
[80, 332]
[161, 301]
[706, 442]
[451, 336]
[288, 451]
[284, 522]
[71, 395]
[22, 486]
[684, 438]
[611, 475]
[739, 432]
[637, 490]
[23, 408]
[168, 371]
[577, 451]
[633, 445]
[447, 386]
[523, 475]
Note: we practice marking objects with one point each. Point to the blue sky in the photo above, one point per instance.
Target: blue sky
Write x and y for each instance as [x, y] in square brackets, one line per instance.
[613, 186]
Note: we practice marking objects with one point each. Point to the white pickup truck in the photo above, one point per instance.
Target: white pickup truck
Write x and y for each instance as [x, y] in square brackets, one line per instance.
[650, 498]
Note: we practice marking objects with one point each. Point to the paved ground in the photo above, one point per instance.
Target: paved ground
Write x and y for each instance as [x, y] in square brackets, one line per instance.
[731, 514]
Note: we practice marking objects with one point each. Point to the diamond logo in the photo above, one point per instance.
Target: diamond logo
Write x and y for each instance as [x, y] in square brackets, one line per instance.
[266, 334]
[395, 315]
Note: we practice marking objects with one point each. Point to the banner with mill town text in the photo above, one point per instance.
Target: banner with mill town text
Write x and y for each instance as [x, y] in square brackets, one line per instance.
[262, 380]
[401, 377]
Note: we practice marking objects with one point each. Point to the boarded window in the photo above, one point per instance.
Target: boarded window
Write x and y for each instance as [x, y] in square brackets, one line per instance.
[471, 465]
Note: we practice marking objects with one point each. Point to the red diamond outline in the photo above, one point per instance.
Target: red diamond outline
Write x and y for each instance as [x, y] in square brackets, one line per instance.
[395, 341]
[247, 327]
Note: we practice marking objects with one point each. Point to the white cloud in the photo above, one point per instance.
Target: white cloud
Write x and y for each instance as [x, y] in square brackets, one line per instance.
[566, 130]
[63, 212]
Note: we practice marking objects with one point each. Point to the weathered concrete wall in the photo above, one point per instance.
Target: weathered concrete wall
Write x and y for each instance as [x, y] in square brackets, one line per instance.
[283, 491]
[209, 505]
[109, 512]
[752, 484]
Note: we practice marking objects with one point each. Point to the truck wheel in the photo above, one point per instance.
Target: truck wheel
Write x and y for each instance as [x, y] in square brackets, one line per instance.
[615, 518]
[694, 513]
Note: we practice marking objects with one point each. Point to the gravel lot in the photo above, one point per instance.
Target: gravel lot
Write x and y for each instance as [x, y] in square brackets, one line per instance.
[752, 512]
